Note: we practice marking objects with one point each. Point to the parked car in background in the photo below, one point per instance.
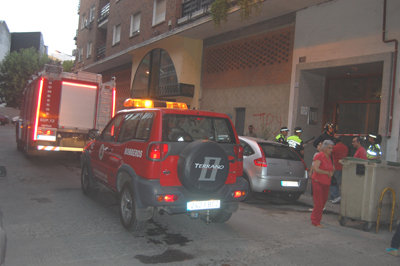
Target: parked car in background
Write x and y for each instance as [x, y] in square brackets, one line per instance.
[271, 167]
[4, 120]
[15, 119]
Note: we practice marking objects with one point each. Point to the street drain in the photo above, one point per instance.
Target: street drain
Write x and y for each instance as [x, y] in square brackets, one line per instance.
[170, 255]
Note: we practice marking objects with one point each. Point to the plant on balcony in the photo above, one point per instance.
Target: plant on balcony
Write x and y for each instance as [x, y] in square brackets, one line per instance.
[220, 8]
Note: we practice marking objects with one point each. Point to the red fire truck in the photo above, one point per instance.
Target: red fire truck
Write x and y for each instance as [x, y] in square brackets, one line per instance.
[59, 109]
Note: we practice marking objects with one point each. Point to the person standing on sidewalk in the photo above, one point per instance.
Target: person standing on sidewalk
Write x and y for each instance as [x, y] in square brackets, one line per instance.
[395, 244]
[282, 136]
[360, 153]
[340, 150]
[321, 180]
[329, 133]
[251, 132]
[296, 142]
[374, 150]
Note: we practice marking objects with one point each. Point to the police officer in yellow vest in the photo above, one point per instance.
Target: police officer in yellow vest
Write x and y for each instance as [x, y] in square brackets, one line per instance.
[296, 142]
[282, 136]
[374, 149]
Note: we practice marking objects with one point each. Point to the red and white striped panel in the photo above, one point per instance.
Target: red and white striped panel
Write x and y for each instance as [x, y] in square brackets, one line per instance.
[47, 148]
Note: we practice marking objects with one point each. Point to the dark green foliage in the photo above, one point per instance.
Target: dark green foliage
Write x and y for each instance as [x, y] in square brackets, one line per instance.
[15, 71]
[220, 9]
[68, 65]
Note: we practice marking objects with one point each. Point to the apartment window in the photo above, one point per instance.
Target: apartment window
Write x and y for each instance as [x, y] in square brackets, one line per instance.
[83, 21]
[135, 24]
[116, 34]
[88, 49]
[91, 13]
[159, 11]
[80, 54]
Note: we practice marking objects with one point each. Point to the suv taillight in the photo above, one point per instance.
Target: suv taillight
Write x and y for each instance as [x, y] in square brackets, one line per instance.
[238, 152]
[157, 151]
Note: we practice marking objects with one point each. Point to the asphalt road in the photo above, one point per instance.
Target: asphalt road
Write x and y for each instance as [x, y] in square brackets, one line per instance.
[50, 222]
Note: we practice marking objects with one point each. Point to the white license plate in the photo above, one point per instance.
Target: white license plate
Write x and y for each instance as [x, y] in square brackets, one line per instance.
[203, 205]
[289, 183]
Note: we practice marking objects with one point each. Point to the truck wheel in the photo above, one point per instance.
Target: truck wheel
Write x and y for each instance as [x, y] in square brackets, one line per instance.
[127, 210]
[203, 166]
[87, 182]
[20, 145]
[220, 216]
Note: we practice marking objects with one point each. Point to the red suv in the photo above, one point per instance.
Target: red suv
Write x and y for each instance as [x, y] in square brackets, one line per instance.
[167, 158]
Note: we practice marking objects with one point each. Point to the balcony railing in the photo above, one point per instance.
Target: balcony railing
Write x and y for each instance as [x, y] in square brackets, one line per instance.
[100, 52]
[193, 6]
[104, 12]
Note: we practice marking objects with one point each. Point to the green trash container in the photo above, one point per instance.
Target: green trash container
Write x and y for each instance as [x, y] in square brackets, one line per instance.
[362, 184]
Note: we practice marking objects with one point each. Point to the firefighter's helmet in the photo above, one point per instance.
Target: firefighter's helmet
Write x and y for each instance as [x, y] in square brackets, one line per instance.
[329, 125]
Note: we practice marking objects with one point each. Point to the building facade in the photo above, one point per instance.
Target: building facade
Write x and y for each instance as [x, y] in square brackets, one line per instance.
[292, 63]
[345, 70]
[5, 40]
[24, 40]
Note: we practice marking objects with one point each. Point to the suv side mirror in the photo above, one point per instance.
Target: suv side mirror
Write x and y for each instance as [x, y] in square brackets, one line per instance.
[93, 133]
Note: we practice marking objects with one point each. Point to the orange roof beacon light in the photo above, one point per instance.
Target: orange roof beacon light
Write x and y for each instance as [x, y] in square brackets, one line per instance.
[145, 103]
[138, 103]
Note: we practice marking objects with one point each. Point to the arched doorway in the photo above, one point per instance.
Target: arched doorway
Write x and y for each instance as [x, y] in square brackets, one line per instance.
[155, 76]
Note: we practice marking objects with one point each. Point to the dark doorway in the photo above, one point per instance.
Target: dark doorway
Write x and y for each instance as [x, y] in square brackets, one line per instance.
[352, 102]
[239, 122]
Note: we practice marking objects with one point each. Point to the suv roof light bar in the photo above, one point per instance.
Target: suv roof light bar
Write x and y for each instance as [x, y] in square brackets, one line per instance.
[146, 103]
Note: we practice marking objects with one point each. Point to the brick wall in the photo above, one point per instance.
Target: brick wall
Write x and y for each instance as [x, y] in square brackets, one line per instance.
[253, 61]
[251, 73]
[120, 13]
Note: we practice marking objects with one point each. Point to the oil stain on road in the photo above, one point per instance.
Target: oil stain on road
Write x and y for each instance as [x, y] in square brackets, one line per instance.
[159, 235]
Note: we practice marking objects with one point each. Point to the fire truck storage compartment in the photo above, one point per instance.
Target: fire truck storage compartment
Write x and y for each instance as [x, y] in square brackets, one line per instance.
[78, 106]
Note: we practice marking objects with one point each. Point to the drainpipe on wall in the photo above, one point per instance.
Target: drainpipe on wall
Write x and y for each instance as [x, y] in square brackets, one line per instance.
[396, 44]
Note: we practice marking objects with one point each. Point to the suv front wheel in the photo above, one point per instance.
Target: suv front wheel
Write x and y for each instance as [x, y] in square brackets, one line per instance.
[87, 182]
[127, 210]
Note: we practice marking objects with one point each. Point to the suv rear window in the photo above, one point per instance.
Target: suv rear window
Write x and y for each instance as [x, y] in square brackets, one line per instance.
[279, 152]
[185, 128]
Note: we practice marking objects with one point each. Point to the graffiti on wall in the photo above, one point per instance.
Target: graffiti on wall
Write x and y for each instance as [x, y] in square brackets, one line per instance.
[267, 125]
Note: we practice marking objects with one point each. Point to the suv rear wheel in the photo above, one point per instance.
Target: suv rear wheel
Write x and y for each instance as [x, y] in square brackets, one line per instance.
[127, 210]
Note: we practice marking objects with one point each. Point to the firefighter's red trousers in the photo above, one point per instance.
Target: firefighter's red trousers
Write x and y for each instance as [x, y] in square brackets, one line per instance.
[320, 196]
